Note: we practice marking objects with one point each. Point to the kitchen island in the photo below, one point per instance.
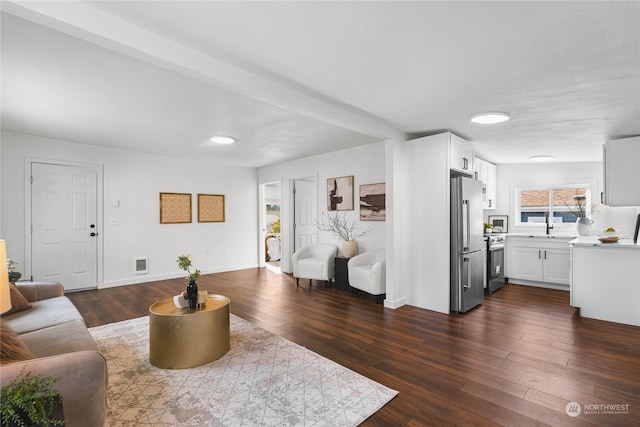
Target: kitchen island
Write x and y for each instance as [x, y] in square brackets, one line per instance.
[605, 279]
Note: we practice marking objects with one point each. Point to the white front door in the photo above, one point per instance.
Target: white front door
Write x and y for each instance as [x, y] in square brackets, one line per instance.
[63, 228]
[305, 214]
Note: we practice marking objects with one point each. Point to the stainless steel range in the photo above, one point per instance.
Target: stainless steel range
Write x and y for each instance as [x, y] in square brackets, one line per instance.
[495, 262]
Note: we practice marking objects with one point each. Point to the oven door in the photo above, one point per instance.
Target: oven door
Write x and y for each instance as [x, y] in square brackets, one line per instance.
[495, 267]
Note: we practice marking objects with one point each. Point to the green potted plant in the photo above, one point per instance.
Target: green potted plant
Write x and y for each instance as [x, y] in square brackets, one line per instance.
[31, 401]
[488, 227]
[14, 276]
[192, 288]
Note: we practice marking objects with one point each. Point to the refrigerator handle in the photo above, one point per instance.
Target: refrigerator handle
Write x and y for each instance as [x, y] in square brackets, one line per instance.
[466, 227]
[468, 284]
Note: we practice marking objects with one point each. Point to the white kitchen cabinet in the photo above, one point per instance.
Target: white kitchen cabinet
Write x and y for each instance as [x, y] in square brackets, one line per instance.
[622, 172]
[486, 172]
[427, 220]
[605, 282]
[538, 260]
[526, 263]
[555, 265]
[461, 155]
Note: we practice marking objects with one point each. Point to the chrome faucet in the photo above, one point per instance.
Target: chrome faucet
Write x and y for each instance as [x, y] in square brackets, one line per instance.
[546, 219]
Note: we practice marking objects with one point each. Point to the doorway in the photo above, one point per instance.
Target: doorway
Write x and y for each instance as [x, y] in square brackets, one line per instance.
[272, 237]
[305, 212]
[64, 224]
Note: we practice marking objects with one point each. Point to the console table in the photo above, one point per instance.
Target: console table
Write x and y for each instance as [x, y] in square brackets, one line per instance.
[181, 338]
[342, 274]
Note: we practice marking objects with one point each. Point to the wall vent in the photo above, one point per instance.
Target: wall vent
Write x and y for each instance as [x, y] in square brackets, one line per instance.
[141, 265]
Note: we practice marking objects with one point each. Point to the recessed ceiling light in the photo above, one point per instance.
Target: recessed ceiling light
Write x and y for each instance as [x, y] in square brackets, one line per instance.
[223, 140]
[490, 118]
[542, 158]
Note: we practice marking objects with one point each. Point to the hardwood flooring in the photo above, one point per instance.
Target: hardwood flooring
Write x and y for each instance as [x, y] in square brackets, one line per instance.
[517, 360]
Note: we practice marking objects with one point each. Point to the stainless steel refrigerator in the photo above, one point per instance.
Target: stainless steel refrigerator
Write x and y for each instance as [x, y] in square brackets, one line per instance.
[467, 244]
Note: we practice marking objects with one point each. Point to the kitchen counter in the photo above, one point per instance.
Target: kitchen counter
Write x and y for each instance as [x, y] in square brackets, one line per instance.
[593, 241]
[542, 236]
[605, 279]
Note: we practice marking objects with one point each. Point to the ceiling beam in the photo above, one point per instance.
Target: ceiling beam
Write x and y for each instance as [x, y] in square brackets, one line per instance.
[95, 26]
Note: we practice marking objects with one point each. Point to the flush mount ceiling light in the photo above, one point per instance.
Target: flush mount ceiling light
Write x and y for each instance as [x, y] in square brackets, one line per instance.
[542, 158]
[224, 140]
[490, 118]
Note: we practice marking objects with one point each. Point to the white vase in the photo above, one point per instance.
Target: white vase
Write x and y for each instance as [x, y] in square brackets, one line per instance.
[349, 248]
[583, 226]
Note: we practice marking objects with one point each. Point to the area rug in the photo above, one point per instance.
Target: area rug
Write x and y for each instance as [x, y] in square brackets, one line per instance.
[264, 380]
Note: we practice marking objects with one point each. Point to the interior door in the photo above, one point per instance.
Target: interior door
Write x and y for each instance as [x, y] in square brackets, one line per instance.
[63, 228]
[305, 214]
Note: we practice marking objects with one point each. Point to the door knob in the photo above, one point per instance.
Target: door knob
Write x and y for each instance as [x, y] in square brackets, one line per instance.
[93, 234]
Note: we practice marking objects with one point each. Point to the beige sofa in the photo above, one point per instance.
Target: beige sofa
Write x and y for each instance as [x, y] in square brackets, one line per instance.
[61, 346]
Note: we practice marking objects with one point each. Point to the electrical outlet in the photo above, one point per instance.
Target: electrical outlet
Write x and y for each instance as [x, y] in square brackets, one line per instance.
[115, 221]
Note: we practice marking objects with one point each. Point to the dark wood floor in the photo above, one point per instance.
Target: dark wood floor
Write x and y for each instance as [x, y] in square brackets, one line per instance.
[517, 360]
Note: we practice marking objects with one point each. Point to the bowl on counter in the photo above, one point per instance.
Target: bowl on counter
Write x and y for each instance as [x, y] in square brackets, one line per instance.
[609, 239]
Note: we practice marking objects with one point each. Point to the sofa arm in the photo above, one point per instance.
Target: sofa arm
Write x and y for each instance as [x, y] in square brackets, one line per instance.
[37, 291]
[83, 384]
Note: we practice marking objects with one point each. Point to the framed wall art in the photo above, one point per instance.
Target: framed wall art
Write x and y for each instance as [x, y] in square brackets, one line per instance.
[210, 208]
[175, 208]
[372, 202]
[500, 223]
[340, 194]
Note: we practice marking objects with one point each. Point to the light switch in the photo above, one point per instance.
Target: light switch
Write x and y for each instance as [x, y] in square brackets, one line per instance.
[116, 203]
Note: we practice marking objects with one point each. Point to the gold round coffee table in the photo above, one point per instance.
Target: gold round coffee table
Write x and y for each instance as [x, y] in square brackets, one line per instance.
[180, 338]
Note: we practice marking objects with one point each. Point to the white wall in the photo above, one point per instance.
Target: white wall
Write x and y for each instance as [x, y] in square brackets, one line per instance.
[365, 163]
[136, 179]
[510, 176]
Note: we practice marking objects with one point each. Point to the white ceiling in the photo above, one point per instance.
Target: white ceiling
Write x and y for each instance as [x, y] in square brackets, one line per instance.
[294, 79]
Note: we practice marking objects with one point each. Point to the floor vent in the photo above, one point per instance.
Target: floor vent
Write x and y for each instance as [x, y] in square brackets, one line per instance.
[141, 265]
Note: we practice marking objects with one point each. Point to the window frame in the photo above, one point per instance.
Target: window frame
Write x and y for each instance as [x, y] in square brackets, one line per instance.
[589, 185]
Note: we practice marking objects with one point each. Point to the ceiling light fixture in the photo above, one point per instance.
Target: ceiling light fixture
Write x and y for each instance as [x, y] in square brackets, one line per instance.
[224, 140]
[490, 118]
[542, 158]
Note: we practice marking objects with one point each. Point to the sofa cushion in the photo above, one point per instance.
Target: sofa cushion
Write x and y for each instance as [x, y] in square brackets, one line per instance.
[12, 349]
[59, 339]
[18, 301]
[43, 314]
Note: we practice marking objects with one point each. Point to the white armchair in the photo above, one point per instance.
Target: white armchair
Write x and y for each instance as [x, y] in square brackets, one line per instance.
[367, 272]
[314, 261]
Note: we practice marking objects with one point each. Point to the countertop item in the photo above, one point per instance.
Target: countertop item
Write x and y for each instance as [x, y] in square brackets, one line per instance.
[623, 243]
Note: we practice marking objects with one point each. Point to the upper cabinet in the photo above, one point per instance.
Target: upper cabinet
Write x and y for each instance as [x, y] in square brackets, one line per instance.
[461, 155]
[622, 172]
[487, 174]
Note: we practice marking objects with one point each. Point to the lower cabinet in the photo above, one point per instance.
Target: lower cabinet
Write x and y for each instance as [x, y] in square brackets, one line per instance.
[540, 261]
[555, 267]
[606, 282]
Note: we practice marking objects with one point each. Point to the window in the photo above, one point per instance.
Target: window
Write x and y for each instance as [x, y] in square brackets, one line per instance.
[563, 204]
